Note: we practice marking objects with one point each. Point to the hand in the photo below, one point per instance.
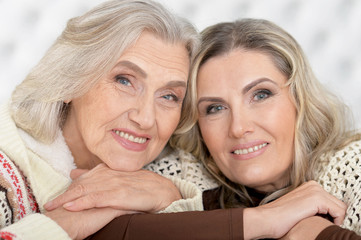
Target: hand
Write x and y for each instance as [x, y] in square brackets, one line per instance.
[279, 216]
[308, 228]
[103, 187]
[80, 225]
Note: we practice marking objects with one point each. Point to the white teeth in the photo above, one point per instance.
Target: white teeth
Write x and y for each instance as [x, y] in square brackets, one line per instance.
[131, 137]
[250, 150]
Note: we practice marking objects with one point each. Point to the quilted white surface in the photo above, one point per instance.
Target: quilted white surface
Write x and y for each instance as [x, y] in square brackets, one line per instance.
[328, 30]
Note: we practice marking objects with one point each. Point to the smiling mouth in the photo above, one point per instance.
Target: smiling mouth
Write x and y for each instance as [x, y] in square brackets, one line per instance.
[130, 137]
[249, 150]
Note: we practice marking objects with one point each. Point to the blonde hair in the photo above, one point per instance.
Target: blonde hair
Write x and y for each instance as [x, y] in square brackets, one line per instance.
[322, 119]
[89, 47]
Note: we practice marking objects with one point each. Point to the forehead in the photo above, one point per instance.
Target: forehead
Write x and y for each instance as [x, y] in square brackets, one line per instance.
[151, 53]
[240, 66]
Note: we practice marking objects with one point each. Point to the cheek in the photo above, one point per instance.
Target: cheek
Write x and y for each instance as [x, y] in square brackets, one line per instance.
[167, 123]
[285, 133]
[96, 116]
[212, 136]
[281, 120]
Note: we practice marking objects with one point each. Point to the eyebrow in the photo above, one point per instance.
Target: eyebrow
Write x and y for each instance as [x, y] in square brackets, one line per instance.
[133, 67]
[244, 91]
[143, 74]
[255, 83]
[176, 84]
[210, 99]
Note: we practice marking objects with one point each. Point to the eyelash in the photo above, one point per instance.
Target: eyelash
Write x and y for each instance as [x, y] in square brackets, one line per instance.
[175, 98]
[257, 93]
[213, 109]
[120, 78]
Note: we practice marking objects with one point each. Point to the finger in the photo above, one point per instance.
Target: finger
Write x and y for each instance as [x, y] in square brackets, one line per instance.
[112, 199]
[338, 215]
[75, 173]
[69, 195]
[97, 200]
[334, 207]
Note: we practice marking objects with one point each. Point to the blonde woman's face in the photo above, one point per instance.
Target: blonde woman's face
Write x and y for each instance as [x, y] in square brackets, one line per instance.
[247, 118]
[126, 119]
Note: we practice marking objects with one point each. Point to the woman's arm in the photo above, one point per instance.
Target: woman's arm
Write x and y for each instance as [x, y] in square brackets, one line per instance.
[272, 220]
[215, 224]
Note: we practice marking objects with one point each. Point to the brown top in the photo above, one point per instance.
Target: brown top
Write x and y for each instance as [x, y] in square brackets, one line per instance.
[214, 223]
[335, 232]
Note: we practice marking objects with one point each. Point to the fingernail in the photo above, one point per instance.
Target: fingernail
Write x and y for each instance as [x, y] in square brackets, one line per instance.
[48, 205]
[68, 205]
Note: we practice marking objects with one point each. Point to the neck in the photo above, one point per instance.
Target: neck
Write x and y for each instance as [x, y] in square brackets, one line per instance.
[83, 158]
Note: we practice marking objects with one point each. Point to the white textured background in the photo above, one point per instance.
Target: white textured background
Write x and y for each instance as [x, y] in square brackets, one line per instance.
[328, 30]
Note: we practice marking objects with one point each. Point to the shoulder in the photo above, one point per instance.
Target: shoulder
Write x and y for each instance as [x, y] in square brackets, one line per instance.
[342, 167]
[345, 159]
[183, 165]
[340, 176]
[168, 165]
[173, 163]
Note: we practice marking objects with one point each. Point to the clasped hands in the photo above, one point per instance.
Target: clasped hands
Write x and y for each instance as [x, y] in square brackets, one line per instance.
[97, 196]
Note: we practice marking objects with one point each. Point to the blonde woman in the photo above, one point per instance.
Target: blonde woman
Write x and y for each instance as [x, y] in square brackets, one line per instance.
[266, 125]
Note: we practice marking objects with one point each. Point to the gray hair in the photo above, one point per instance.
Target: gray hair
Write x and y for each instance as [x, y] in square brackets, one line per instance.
[89, 47]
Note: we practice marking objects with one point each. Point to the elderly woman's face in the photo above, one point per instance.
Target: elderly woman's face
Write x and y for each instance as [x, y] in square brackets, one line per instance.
[247, 118]
[126, 119]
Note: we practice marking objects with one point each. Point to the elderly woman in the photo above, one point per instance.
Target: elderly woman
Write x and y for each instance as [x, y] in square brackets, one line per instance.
[265, 126]
[109, 90]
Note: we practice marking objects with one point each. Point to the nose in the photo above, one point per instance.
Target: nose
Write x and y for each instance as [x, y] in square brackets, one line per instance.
[240, 124]
[143, 113]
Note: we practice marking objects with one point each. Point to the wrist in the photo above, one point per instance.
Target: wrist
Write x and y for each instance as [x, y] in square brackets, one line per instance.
[62, 222]
[256, 224]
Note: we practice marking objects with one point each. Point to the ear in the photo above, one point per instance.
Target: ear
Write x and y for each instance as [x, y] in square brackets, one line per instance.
[67, 101]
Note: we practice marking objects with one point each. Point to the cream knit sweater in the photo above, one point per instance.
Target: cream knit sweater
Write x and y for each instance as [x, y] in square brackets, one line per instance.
[340, 175]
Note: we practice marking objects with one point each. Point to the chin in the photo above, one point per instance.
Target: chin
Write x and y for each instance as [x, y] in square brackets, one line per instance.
[125, 167]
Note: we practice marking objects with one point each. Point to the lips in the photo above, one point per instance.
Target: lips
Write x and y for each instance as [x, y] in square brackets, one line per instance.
[243, 151]
[130, 137]
[249, 150]
[130, 140]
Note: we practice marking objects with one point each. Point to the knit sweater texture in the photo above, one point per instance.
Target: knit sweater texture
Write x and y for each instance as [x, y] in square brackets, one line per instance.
[340, 175]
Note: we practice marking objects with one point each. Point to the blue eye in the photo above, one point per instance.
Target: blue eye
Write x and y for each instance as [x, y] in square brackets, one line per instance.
[123, 80]
[261, 95]
[214, 109]
[171, 97]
